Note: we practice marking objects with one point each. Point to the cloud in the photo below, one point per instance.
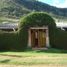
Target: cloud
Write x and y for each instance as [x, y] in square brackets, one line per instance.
[59, 3]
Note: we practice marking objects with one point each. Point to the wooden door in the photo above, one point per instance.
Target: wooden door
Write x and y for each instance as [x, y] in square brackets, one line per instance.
[32, 38]
[38, 40]
[41, 38]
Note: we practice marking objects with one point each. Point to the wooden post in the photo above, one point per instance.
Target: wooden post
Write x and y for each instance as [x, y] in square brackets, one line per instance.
[29, 38]
[47, 38]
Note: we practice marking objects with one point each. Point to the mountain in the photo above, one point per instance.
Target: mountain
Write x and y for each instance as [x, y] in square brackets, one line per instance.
[18, 8]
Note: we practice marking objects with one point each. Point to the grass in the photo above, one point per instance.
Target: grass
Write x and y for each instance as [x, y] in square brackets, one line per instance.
[34, 57]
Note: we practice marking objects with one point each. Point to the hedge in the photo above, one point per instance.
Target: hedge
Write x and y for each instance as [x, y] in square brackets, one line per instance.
[38, 19]
[60, 39]
[19, 40]
[9, 41]
[57, 37]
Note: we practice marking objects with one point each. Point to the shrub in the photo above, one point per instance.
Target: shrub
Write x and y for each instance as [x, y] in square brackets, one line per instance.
[35, 19]
[57, 37]
[60, 39]
[9, 41]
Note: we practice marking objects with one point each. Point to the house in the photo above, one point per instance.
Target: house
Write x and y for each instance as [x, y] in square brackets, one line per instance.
[62, 25]
[7, 26]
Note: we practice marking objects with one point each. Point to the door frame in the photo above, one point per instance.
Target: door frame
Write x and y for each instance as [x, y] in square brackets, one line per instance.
[47, 35]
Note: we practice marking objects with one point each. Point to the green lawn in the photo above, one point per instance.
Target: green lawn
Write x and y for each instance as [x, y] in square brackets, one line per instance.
[35, 57]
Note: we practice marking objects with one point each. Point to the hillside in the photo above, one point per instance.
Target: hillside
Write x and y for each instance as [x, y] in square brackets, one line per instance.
[17, 8]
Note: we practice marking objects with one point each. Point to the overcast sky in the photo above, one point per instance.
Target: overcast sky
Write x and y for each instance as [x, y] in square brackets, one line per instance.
[57, 3]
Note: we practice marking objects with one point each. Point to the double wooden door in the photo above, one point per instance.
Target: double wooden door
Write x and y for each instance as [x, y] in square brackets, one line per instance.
[38, 38]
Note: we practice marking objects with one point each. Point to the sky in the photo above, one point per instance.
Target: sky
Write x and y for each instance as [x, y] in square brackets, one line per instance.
[57, 3]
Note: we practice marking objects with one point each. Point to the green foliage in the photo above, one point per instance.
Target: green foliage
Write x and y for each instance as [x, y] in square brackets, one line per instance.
[19, 40]
[57, 37]
[60, 39]
[9, 41]
[34, 19]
